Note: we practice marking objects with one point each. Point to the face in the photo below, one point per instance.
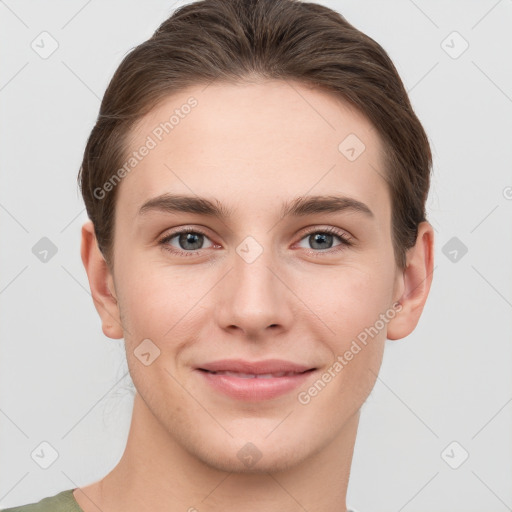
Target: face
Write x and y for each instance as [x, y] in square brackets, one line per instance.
[291, 259]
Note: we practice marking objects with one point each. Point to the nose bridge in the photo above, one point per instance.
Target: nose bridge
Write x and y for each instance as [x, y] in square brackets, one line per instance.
[253, 298]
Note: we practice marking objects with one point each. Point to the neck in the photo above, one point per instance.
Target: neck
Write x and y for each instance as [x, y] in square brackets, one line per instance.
[157, 474]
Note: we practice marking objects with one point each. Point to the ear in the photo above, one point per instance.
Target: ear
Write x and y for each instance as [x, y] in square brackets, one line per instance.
[414, 284]
[101, 283]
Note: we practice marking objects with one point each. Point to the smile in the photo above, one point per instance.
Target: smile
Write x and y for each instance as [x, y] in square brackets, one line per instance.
[256, 375]
[251, 387]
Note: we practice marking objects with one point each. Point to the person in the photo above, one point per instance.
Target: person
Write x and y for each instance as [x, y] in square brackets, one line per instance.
[279, 142]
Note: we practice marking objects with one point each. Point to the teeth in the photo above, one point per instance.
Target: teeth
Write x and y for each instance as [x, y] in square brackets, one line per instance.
[255, 376]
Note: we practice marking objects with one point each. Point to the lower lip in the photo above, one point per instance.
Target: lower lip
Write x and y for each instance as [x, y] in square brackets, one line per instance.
[254, 388]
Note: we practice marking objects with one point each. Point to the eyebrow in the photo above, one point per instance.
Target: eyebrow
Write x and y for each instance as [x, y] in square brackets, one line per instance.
[300, 206]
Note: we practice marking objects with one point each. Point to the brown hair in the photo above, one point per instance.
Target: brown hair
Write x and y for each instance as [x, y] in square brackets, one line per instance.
[236, 40]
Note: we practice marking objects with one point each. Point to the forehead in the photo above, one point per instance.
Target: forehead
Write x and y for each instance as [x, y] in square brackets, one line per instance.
[247, 145]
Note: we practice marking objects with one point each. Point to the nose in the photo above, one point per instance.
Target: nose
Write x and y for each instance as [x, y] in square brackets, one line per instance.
[254, 298]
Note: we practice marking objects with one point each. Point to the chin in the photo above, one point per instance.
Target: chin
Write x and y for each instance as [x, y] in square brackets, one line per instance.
[259, 456]
[269, 463]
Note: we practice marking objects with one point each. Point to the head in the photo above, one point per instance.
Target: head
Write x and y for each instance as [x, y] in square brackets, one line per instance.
[278, 120]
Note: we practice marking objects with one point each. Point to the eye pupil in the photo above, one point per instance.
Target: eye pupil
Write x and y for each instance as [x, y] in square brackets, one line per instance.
[193, 238]
[321, 238]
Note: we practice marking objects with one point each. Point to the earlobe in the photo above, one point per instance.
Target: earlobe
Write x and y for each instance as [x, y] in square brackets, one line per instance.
[415, 284]
[101, 283]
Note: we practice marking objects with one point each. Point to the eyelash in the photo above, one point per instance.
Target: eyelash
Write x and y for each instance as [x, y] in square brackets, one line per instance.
[344, 239]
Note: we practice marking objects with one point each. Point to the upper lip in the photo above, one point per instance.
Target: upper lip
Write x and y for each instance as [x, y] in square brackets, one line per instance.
[254, 367]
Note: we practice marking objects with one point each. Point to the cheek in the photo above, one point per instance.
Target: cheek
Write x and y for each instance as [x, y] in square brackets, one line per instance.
[155, 297]
[349, 300]
[356, 347]
[353, 309]
[360, 323]
[162, 305]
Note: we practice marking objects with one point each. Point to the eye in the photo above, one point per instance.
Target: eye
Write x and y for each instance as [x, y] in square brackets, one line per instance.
[188, 242]
[323, 239]
[185, 241]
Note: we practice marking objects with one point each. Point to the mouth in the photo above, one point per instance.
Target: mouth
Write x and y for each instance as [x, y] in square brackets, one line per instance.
[273, 367]
[254, 381]
[240, 375]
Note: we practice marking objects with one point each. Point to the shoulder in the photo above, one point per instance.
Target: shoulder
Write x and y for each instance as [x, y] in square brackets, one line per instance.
[64, 501]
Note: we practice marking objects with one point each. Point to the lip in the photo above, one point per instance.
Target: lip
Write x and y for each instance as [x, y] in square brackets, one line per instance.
[256, 367]
[254, 388]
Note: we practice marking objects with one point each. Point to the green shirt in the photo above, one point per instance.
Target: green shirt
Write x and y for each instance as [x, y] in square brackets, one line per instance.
[62, 502]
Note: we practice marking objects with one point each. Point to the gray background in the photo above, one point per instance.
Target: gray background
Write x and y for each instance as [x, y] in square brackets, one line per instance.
[64, 383]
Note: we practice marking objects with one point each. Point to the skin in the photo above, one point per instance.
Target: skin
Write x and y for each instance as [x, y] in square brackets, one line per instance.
[251, 147]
